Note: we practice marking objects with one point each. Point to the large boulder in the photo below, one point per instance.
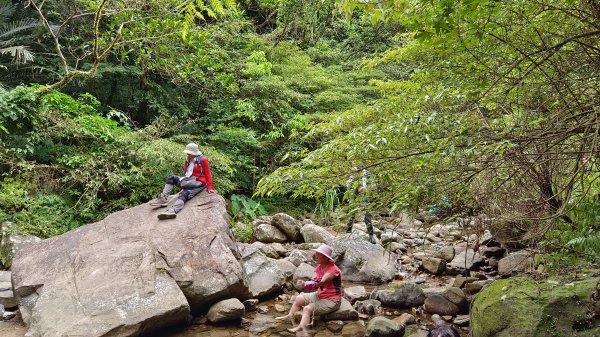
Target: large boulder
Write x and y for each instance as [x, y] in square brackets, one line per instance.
[315, 233]
[362, 261]
[401, 296]
[267, 233]
[129, 273]
[288, 225]
[264, 274]
[520, 306]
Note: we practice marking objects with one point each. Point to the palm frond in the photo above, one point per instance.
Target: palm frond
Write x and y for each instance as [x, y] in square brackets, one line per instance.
[6, 11]
[19, 54]
[15, 27]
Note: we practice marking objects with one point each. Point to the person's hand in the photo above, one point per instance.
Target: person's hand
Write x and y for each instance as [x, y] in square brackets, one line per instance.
[300, 283]
[211, 191]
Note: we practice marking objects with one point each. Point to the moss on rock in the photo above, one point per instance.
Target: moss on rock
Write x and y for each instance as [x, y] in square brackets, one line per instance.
[538, 308]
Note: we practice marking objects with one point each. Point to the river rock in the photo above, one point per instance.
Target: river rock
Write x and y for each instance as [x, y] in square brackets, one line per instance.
[345, 313]
[225, 310]
[267, 250]
[264, 275]
[130, 273]
[434, 265]
[406, 295]
[361, 261]
[279, 248]
[288, 225]
[7, 298]
[382, 327]
[460, 281]
[303, 272]
[335, 326]
[398, 247]
[314, 233]
[446, 253]
[496, 252]
[438, 304]
[297, 256]
[355, 293]
[456, 296]
[520, 306]
[268, 233]
[466, 260]
[368, 307]
[514, 262]
[286, 267]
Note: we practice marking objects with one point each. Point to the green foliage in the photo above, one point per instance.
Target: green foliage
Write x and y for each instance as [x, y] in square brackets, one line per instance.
[13, 195]
[257, 65]
[245, 209]
[46, 216]
[243, 232]
[326, 207]
[19, 119]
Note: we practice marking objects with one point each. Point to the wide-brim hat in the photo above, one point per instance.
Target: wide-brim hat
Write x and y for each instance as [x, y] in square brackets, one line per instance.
[325, 250]
[192, 149]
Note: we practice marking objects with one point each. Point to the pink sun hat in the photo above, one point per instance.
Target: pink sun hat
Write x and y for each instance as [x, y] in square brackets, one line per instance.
[325, 250]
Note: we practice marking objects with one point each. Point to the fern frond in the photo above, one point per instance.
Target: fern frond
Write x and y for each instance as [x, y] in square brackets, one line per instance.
[590, 244]
[230, 4]
[217, 7]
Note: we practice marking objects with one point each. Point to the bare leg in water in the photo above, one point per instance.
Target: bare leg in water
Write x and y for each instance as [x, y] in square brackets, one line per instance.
[306, 316]
[298, 303]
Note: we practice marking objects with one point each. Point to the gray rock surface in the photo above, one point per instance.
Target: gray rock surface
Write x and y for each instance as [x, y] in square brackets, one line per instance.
[345, 313]
[288, 225]
[264, 274]
[268, 233]
[129, 273]
[7, 298]
[438, 304]
[514, 262]
[382, 327]
[402, 296]
[361, 261]
[368, 307]
[355, 293]
[466, 260]
[225, 310]
[314, 233]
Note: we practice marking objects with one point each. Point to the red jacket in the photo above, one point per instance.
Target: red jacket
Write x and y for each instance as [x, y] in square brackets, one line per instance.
[202, 174]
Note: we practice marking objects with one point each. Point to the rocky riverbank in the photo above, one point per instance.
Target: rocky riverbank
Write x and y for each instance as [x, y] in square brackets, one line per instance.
[418, 271]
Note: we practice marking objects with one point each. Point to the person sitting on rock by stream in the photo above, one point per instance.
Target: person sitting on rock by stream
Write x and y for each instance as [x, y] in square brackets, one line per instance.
[196, 177]
[328, 297]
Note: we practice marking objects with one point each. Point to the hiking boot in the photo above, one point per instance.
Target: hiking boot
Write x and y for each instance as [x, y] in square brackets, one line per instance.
[168, 214]
[161, 201]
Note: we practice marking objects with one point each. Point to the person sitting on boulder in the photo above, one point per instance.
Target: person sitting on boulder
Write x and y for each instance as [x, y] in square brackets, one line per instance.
[443, 331]
[328, 297]
[196, 177]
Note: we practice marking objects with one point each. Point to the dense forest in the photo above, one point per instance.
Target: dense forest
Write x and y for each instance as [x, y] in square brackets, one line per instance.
[467, 107]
